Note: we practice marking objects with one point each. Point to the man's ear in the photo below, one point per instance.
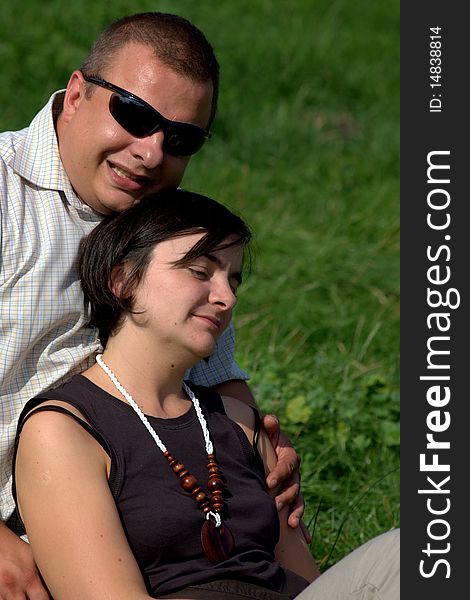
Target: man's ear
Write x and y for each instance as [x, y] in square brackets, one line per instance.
[118, 279]
[74, 94]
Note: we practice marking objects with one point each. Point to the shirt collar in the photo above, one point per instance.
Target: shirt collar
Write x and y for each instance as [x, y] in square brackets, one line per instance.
[37, 158]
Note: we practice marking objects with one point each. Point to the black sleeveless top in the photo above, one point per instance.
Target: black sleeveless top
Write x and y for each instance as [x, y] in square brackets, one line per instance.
[162, 521]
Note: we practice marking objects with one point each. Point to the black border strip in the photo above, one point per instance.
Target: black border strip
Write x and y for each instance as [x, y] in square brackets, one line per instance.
[434, 257]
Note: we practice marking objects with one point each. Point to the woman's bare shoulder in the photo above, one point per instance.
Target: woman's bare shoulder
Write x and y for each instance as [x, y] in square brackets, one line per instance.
[241, 413]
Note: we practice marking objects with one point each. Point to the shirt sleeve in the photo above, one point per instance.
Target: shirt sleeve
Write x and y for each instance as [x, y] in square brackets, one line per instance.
[221, 366]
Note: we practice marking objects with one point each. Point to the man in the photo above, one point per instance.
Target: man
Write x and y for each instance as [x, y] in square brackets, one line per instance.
[96, 149]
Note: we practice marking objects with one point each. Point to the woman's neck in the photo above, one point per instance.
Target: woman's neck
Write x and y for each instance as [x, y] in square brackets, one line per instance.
[152, 377]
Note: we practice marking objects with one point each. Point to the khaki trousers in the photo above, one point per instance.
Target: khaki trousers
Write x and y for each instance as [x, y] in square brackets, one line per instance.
[371, 572]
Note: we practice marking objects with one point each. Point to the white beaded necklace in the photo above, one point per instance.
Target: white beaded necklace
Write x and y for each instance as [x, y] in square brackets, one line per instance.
[217, 540]
[143, 418]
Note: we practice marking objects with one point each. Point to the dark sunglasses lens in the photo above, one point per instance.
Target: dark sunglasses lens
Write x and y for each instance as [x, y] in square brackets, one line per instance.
[136, 118]
[183, 141]
[140, 120]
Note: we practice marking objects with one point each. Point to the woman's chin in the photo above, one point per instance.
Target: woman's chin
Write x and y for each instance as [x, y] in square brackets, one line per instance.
[205, 351]
[201, 347]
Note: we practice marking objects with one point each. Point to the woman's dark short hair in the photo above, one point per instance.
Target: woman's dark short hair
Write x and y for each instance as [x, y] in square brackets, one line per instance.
[130, 237]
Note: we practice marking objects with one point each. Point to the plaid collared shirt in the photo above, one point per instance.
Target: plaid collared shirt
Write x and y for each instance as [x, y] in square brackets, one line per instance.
[43, 334]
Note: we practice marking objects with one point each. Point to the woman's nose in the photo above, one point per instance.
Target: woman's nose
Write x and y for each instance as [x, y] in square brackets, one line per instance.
[223, 294]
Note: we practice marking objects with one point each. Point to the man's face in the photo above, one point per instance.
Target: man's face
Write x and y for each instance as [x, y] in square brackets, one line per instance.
[110, 169]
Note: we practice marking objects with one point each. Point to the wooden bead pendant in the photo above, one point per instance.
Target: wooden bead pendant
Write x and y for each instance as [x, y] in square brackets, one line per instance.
[216, 540]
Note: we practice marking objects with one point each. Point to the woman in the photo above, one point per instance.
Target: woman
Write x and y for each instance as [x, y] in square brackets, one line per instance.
[109, 510]
[134, 485]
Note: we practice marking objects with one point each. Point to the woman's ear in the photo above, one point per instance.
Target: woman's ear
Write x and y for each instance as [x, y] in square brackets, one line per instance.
[118, 279]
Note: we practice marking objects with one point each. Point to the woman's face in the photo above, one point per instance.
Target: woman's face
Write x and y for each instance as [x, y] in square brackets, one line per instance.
[188, 306]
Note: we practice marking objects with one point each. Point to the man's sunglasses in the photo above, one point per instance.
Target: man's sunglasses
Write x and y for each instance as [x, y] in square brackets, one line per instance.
[140, 119]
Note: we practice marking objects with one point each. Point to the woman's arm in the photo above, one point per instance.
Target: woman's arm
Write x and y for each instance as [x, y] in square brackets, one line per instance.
[292, 551]
[70, 515]
[286, 468]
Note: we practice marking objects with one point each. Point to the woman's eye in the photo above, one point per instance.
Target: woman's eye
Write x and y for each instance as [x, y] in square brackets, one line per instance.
[198, 273]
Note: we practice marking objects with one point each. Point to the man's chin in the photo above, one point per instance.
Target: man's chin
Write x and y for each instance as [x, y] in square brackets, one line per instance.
[119, 205]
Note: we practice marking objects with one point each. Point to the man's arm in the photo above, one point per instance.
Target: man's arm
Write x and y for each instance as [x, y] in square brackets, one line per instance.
[286, 471]
[19, 577]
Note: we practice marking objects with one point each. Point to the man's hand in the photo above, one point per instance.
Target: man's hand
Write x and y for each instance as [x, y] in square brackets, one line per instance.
[287, 474]
[19, 577]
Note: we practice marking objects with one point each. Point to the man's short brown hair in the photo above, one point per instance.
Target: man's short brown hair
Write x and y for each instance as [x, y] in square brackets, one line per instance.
[175, 41]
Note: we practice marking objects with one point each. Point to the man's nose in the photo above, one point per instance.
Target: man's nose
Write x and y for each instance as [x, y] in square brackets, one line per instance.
[149, 149]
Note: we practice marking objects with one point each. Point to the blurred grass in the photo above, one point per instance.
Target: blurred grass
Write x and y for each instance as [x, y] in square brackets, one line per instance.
[305, 147]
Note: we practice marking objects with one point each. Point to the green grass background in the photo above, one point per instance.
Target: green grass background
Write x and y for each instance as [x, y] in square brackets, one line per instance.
[305, 147]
